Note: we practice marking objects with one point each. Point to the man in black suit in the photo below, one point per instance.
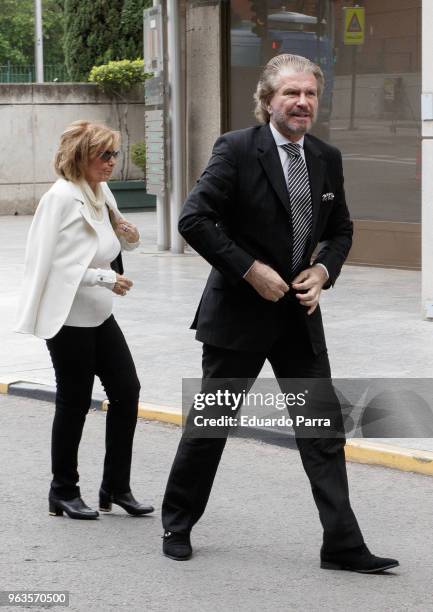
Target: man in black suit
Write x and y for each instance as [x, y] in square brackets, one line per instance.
[269, 195]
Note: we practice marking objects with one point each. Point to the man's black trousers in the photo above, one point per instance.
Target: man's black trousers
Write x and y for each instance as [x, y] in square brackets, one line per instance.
[196, 462]
[78, 354]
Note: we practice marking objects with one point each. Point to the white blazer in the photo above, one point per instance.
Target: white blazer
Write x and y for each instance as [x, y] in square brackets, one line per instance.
[62, 242]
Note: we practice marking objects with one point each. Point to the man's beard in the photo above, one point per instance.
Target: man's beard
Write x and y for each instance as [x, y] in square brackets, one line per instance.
[282, 123]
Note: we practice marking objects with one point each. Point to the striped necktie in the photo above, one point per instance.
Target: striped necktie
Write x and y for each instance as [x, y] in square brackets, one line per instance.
[300, 202]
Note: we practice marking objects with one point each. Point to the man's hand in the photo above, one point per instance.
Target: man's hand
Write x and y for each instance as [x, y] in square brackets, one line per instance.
[266, 281]
[122, 285]
[310, 282]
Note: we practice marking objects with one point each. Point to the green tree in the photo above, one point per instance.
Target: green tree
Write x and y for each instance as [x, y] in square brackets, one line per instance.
[92, 33]
[53, 20]
[131, 28]
[17, 31]
[16, 26]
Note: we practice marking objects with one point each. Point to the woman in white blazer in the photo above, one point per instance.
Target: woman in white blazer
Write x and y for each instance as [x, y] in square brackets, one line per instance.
[72, 268]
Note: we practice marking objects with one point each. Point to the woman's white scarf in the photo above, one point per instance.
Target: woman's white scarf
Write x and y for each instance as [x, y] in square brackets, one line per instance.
[95, 201]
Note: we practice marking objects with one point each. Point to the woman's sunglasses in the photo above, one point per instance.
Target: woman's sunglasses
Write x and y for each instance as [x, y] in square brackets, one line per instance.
[107, 155]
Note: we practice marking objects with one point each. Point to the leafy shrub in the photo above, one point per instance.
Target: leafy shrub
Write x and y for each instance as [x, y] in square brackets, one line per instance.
[118, 77]
[138, 155]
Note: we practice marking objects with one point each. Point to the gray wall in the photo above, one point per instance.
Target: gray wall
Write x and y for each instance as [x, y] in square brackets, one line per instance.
[32, 117]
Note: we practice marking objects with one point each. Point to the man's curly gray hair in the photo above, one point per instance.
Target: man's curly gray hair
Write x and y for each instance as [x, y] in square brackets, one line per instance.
[268, 82]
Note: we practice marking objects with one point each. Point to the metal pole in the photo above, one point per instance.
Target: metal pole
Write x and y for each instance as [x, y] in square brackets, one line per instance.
[162, 213]
[39, 51]
[353, 89]
[175, 107]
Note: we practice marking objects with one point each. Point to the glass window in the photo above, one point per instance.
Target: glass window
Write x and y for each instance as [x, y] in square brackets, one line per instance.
[370, 108]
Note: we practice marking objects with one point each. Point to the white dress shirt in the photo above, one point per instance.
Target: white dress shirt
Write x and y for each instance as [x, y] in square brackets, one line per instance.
[93, 302]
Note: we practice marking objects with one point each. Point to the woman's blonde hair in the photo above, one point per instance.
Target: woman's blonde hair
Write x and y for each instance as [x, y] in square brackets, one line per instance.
[268, 82]
[79, 143]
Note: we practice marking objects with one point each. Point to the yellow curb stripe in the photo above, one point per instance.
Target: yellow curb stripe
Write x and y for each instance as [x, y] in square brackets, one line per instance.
[387, 455]
[152, 412]
[6, 382]
[166, 416]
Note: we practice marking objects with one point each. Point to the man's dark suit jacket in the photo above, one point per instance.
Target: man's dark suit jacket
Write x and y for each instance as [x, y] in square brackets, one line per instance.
[239, 211]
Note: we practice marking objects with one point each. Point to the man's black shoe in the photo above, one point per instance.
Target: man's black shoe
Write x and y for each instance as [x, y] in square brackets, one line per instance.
[177, 546]
[357, 559]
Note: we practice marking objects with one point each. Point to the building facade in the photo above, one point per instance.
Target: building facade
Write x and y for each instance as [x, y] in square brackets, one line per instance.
[370, 109]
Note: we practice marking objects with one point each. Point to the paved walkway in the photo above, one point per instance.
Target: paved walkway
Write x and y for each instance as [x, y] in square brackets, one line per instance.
[372, 320]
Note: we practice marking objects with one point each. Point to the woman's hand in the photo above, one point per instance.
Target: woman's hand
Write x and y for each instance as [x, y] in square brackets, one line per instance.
[122, 285]
[128, 231]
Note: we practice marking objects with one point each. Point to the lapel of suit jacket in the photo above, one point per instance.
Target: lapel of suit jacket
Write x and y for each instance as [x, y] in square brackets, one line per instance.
[316, 172]
[77, 194]
[270, 160]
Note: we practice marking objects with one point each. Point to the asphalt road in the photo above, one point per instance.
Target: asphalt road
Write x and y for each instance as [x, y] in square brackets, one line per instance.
[256, 548]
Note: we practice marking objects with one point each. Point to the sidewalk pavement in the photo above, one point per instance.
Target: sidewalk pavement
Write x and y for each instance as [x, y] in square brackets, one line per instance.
[256, 547]
[372, 323]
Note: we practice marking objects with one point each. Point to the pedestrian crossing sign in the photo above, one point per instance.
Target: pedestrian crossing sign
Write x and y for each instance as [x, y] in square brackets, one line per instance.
[354, 25]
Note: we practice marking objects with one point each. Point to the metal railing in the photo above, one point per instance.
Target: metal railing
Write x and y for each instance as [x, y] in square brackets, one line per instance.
[12, 73]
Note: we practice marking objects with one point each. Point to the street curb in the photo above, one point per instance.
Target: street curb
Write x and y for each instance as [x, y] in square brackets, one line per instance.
[356, 450]
[388, 455]
[45, 393]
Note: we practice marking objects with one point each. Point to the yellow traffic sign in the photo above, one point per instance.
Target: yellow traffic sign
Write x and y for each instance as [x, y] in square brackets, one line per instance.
[354, 25]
